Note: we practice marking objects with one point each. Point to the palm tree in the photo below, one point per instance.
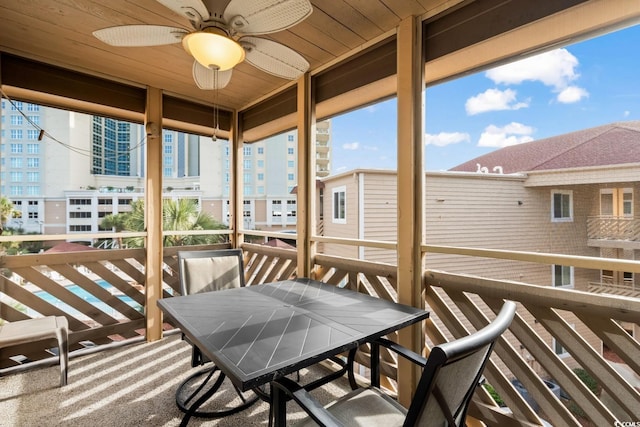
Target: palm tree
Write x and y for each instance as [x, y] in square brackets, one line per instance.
[6, 211]
[177, 215]
[115, 222]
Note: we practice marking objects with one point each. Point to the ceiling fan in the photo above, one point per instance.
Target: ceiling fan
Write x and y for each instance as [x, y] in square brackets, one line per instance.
[222, 37]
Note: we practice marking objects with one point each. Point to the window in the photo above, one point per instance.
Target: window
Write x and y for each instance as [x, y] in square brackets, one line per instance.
[33, 162]
[246, 164]
[16, 148]
[16, 105]
[16, 120]
[561, 206]
[34, 119]
[290, 138]
[260, 163]
[562, 276]
[79, 214]
[33, 176]
[80, 228]
[32, 134]
[16, 133]
[167, 172]
[291, 176]
[260, 150]
[290, 150]
[291, 164]
[247, 178]
[33, 190]
[16, 162]
[246, 151]
[627, 202]
[260, 177]
[559, 349]
[168, 149]
[339, 205]
[33, 148]
[33, 107]
[80, 201]
[168, 138]
[15, 176]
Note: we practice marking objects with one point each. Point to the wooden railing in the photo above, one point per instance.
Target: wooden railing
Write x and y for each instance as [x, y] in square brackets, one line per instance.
[459, 304]
[613, 228]
[99, 291]
[622, 289]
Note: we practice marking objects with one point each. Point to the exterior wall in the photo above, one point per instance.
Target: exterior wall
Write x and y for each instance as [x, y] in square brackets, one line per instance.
[351, 226]
[379, 216]
[55, 219]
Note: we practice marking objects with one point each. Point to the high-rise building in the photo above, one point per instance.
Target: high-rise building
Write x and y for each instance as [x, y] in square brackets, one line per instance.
[81, 168]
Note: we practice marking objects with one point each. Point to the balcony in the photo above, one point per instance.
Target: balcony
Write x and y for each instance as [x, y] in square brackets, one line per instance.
[458, 303]
[614, 231]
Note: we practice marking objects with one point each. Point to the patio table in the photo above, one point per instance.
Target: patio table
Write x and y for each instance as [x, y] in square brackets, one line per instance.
[256, 334]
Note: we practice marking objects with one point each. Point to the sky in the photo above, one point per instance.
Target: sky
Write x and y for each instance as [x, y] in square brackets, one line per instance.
[574, 87]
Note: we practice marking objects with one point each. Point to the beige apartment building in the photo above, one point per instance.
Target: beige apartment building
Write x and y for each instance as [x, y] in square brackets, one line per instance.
[575, 194]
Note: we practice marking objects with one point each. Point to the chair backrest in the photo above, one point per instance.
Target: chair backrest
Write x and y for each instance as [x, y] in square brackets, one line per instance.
[452, 372]
[210, 270]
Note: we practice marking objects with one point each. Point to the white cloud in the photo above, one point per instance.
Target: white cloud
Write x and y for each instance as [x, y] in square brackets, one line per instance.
[512, 134]
[351, 145]
[572, 94]
[446, 138]
[556, 69]
[627, 113]
[493, 100]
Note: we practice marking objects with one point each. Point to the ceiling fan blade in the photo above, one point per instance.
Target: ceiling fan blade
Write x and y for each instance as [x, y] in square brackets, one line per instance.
[274, 58]
[206, 78]
[265, 16]
[194, 10]
[140, 35]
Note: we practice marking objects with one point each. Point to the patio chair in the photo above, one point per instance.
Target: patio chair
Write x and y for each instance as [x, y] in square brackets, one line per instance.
[39, 329]
[449, 378]
[206, 271]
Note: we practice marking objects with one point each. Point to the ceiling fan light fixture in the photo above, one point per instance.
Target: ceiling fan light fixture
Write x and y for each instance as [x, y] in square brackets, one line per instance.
[212, 48]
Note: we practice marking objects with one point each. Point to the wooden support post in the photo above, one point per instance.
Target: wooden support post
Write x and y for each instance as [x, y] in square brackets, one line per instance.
[306, 176]
[236, 199]
[153, 212]
[410, 188]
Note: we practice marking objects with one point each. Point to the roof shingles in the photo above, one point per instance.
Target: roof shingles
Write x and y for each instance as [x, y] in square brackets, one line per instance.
[611, 144]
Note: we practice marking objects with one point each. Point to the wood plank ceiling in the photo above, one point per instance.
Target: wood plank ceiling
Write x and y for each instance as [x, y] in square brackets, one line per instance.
[59, 32]
[334, 39]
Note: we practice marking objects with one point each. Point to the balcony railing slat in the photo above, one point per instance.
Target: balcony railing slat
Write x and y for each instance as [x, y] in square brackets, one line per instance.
[116, 281]
[443, 310]
[64, 295]
[580, 350]
[616, 338]
[74, 276]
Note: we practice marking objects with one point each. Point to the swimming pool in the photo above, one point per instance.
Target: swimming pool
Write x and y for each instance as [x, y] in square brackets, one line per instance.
[90, 298]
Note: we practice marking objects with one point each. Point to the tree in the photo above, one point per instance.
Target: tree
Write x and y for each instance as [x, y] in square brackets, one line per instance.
[115, 222]
[177, 215]
[6, 211]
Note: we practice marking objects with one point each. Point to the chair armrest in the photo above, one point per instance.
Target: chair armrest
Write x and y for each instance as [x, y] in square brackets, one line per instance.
[402, 351]
[308, 403]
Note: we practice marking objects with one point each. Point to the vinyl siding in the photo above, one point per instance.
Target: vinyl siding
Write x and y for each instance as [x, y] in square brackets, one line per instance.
[380, 214]
[350, 228]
